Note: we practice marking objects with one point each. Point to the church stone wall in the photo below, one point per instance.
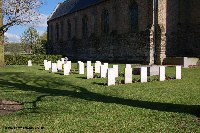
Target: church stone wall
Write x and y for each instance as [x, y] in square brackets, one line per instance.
[117, 45]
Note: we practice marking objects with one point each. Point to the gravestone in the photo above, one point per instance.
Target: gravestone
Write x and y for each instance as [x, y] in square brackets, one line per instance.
[116, 69]
[162, 73]
[54, 68]
[89, 63]
[90, 72]
[46, 66]
[81, 68]
[128, 65]
[111, 76]
[178, 72]
[45, 62]
[151, 70]
[63, 60]
[103, 71]
[59, 65]
[128, 75]
[143, 74]
[29, 63]
[98, 67]
[66, 69]
[106, 65]
[49, 64]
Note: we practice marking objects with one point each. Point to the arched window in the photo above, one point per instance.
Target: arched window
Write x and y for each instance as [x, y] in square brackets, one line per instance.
[105, 21]
[69, 29]
[85, 26]
[51, 32]
[57, 32]
[134, 16]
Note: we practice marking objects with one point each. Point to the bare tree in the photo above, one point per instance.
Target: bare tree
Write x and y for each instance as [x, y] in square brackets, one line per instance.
[19, 12]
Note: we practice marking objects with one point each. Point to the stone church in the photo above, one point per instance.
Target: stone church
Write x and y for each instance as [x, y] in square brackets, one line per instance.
[134, 31]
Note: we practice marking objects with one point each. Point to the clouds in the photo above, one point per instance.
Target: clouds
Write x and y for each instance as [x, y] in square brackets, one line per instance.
[41, 22]
[12, 37]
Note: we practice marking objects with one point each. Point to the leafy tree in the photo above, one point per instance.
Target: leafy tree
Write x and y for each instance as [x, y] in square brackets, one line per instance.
[16, 12]
[13, 48]
[19, 12]
[30, 38]
[43, 44]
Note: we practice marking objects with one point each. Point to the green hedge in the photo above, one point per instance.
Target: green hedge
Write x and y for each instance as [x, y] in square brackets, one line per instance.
[23, 59]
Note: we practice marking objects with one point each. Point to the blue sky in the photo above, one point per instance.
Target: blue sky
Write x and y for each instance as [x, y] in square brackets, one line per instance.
[15, 32]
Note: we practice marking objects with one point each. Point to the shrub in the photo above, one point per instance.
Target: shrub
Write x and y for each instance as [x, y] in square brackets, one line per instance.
[23, 59]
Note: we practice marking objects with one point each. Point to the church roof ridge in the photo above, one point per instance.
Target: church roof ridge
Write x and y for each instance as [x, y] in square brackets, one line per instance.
[70, 6]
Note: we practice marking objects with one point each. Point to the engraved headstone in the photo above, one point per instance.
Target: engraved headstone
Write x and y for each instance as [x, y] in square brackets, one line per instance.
[143, 74]
[89, 63]
[63, 60]
[54, 68]
[162, 73]
[81, 68]
[66, 69]
[29, 63]
[103, 71]
[45, 62]
[116, 69]
[90, 72]
[128, 75]
[111, 76]
[97, 67]
[178, 72]
[59, 65]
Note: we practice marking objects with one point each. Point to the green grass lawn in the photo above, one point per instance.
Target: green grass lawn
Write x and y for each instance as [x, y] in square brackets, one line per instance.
[74, 104]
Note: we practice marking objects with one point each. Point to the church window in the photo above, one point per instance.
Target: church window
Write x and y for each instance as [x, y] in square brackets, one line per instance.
[134, 16]
[69, 29]
[57, 32]
[85, 26]
[105, 21]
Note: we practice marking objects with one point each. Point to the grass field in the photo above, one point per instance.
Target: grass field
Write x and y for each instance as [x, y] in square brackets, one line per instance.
[74, 104]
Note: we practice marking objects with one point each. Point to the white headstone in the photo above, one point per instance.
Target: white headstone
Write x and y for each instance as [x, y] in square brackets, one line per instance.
[128, 75]
[143, 74]
[90, 72]
[29, 63]
[49, 64]
[178, 72]
[97, 67]
[66, 69]
[89, 63]
[116, 69]
[45, 62]
[63, 60]
[106, 65]
[54, 68]
[128, 65]
[103, 71]
[59, 65]
[111, 76]
[81, 68]
[70, 64]
[162, 73]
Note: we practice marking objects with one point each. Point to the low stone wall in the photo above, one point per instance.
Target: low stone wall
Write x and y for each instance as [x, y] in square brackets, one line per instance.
[127, 48]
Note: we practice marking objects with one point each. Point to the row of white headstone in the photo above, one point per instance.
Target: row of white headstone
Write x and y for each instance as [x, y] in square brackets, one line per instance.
[104, 71]
[143, 74]
[55, 67]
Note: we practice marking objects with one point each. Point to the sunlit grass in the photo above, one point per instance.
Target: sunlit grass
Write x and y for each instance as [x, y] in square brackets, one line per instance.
[74, 104]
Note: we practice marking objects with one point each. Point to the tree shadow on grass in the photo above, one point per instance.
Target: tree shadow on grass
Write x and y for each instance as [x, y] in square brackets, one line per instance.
[20, 81]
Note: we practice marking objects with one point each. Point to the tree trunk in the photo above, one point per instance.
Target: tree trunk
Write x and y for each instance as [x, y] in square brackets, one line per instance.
[1, 38]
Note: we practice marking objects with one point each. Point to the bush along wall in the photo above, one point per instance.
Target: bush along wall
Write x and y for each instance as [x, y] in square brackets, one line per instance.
[23, 59]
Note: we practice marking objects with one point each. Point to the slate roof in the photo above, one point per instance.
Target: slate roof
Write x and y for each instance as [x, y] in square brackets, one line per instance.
[70, 6]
